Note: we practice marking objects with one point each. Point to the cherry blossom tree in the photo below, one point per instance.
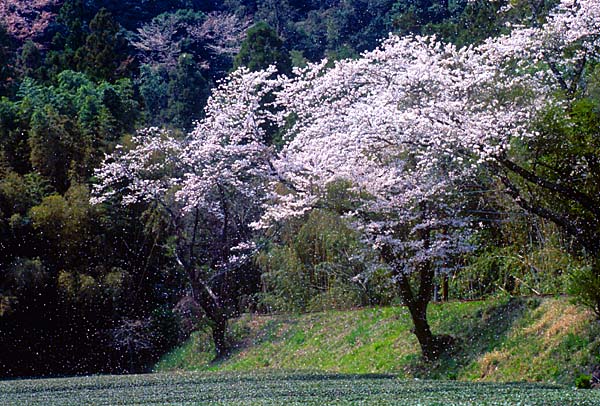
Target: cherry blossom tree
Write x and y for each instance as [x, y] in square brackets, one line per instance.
[210, 186]
[363, 122]
[508, 104]
[223, 33]
[413, 122]
[409, 126]
[161, 40]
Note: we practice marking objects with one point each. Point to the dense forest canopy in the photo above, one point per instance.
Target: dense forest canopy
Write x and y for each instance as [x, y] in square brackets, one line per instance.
[165, 165]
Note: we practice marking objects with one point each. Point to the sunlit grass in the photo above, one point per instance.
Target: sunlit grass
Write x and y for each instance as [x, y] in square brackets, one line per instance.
[500, 340]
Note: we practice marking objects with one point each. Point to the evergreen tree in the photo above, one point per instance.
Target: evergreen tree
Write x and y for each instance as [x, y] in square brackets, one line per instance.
[6, 46]
[14, 150]
[54, 144]
[412, 15]
[153, 85]
[72, 16]
[187, 93]
[261, 48]
[104, 54]
[30, 61]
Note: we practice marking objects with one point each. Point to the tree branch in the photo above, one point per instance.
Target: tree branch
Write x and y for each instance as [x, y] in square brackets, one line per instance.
[584, 200]
[572, 228]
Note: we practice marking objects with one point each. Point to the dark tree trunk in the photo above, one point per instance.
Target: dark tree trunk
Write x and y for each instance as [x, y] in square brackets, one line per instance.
[219, 298]
[431, 346]
[445, 288]
[423, 332]
[214, 310]
[219, 328]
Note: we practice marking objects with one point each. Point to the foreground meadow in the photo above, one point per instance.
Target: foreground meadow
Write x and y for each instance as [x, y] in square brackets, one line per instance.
[281, 389]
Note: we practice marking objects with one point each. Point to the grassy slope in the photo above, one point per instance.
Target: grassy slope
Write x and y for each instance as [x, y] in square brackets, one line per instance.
[546, 340]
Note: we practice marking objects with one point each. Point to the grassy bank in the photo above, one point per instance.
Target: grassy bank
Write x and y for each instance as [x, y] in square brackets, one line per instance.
[501, 340]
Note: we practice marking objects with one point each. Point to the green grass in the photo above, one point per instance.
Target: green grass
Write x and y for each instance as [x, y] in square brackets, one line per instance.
[279, 388]
[501, 340]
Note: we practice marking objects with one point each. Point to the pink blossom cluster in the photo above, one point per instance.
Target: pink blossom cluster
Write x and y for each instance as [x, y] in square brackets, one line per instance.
[407, 126]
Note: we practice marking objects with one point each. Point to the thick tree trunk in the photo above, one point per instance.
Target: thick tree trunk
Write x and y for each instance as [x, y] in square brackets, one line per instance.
[423, 332]
[214, 310]
[431, 346]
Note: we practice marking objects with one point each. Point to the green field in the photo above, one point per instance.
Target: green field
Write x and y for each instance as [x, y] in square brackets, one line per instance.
[281, 389]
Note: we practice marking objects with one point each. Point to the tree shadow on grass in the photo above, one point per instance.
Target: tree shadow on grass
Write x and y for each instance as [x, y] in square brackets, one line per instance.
[475, 334]
[242, 336]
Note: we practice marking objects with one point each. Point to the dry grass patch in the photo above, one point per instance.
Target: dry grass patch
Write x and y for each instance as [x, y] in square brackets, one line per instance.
[555, 319]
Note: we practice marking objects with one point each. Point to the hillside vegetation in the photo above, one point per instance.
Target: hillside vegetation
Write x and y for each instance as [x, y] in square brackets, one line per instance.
[500, 340]
[165, 162]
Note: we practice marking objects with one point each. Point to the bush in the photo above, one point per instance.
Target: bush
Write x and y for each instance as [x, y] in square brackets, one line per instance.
[318, 268]
[585, 287]
[583, 381]
[542, 268]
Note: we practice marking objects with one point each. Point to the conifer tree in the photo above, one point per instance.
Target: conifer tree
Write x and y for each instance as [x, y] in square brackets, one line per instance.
[187, 93]
[261, 48]
[104, 54]
[5, 57]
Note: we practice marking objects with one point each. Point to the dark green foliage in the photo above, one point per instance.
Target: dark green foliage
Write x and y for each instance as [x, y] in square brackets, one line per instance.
[55, 149]
[457, 21]
[104, 55]
[74, 17]
[26, 277]
[262, 48]
[131, 13]
[66, 282]
[71, 124]
[14, 149]
[462, 23]
[477, 21]
[72, 30]
[30, 61]
[187, 93]
[6, 57]
[165, 328]
[585, 286]
[62, 262]
[19, 193]
[316, 268]
[583, 381]
[413, 15]
[153, 86]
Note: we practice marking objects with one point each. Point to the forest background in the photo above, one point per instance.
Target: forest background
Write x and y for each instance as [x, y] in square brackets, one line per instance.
[84, 287]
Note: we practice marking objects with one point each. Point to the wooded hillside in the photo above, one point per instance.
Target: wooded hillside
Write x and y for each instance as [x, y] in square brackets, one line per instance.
[168, 165]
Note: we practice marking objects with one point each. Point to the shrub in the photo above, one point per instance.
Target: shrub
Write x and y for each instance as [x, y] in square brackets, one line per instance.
[585, 286]
[583, 381]
[318, 267]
